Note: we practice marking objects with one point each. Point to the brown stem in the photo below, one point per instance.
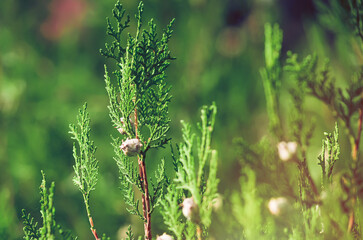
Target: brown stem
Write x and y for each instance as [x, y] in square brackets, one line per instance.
[145, 199]
[355, 164]
[305, 172]
[93, 229]
[310, 180]
[351, 221]
[199, 232]
[358, 23]
[145, 187]
[357, 141]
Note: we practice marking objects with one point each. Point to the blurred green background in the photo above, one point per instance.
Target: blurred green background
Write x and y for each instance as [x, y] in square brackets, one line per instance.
[50, 65]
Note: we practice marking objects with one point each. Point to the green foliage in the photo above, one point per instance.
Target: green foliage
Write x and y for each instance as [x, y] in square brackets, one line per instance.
[139, 107]
[140, 79]
[328, 157]
[356, 16]
[344, 103]
[30, 227]
[49, 230]
[86, 165]
[130, 235]
[310, 226]
[196, 178]
[337, 14]
[171, 211]
[319, 210]
[263, 178]
[129, 178]
[47, 210]
[300, 127]
[159, 187]
[271, 76]
[139, 98]
[247, 207]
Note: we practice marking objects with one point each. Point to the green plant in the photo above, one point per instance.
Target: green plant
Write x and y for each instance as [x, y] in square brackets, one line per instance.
[345, 105]
[195, 184]
[280, 195]
[86, 165]
[334, 211]
[271, 76]
[139, 107]
[50, 229]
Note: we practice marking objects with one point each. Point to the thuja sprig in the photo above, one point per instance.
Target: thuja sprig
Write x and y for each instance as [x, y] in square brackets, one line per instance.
[302, 130]
[171, 211]
[130, 235]
[30, 227]
[138, 106]
[86, 165]
[50, 230]
[47, 210]
[196, 181]
[345, 104]
[129, 177]
[247, 206]
[356, 16]
[329, 155]
[141, 82]
[271, 76]
[340, 14]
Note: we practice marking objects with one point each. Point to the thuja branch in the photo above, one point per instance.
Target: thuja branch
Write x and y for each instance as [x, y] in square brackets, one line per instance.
[86, 165]
[345, 104]
[138, 104]
[50, 230]
[93, 229]
[195, 184]
[145, 197]
[271, 76]
[329, 155]
[143, 178]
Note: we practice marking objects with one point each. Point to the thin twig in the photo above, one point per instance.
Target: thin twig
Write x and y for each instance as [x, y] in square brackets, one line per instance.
[145, 200]
[93, 229]
[145, 187]
[355, 160]
[357, 141]
[305, 171]
[199, 232]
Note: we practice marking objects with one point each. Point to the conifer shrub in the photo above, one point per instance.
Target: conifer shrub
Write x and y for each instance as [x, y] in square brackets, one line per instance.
[277, 198]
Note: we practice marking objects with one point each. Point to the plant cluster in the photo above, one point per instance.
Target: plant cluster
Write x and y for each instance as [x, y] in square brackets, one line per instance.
[50, 229]
[278, 197]
[195, 184]
[329, 212]
[138, 106]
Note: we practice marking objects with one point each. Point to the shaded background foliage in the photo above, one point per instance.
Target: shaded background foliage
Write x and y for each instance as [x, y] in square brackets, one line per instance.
[50, 65]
